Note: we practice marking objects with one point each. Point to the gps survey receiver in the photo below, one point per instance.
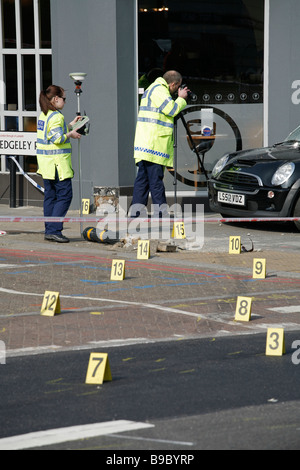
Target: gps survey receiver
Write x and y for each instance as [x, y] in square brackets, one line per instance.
[81, 125]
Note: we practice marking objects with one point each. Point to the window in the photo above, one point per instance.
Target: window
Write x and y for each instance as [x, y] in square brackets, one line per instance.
[45, 27]
[11, 81]
[29, 83]
[218, 47]
[25, 66]
[8, 23]
[27, 24]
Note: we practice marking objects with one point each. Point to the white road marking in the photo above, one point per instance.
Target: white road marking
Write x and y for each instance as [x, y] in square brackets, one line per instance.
[73, 433]
[19, 266]
[215, 317]
[288, 309]
[163, 308]
[99, 299]
[16, 292]
[147, 439]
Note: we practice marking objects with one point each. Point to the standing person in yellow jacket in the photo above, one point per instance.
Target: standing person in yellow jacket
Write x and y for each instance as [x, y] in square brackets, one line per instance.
[54, 153]
[154, 141]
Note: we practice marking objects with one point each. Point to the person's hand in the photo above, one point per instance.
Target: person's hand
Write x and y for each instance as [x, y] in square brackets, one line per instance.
[74, 135]
[74, 121]
[183, 92]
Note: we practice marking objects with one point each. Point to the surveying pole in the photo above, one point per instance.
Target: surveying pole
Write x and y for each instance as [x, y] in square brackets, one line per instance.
[78, 79]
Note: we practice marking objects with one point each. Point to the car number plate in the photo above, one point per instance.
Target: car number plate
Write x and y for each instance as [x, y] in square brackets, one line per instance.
[230, 198]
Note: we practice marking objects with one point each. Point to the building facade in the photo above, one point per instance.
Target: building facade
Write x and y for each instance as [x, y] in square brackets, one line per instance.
[239, 57]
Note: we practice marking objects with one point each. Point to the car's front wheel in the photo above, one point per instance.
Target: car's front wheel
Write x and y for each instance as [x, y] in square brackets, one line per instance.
[296, 213]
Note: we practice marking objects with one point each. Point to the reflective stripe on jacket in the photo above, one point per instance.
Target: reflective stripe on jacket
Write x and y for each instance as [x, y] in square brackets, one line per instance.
[53, 147]
[154, 130]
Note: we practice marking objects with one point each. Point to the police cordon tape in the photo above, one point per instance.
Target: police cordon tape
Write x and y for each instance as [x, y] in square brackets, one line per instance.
[34, 183]
[161, 220]
[171, 220]
[129, 219]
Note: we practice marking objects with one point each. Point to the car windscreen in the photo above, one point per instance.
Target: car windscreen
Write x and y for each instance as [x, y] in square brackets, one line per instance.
[294, 135]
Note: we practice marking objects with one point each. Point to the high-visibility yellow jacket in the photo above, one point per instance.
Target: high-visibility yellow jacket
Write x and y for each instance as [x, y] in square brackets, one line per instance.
[53, 147]
[154, 130]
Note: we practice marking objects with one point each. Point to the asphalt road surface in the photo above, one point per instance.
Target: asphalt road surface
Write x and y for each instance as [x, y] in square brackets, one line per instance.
[214, 393]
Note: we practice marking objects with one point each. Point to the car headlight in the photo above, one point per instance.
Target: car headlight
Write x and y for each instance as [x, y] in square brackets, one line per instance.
[283, 174]
[220, 165]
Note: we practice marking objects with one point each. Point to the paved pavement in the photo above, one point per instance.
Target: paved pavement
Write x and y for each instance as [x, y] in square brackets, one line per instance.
[186, 294]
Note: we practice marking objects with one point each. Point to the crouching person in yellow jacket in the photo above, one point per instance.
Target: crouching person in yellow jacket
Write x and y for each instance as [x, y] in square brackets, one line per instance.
[154, 141]
[54, 153]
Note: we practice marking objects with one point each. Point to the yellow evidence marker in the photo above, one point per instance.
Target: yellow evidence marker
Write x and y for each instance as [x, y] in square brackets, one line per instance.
[51, 304]
[117, 270]
[234, 245]
[85, 206]
[143, 250]
[259, 268]
[275, 344]
[98, 370]
[178, 230]
[243, 309]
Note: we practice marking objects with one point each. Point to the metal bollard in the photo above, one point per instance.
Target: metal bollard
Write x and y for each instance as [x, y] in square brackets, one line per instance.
[12, 183]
